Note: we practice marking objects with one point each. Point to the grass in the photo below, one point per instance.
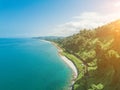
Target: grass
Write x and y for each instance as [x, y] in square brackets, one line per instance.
[80, 67]
[77, 63]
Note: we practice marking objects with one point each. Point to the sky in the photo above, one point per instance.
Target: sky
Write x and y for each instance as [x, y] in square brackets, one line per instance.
[29, 18]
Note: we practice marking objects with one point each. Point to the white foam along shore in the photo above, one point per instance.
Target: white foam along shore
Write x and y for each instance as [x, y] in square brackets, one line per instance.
[68, 62]
[45, 41]
[71, 65]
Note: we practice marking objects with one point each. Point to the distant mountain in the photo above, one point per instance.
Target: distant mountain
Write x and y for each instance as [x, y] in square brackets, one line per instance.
[48, 37]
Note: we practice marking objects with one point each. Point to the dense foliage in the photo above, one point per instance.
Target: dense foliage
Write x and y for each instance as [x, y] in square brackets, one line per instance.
[99, 52]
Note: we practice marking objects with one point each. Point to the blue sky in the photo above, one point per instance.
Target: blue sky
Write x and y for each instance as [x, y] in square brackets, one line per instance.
[27, 18]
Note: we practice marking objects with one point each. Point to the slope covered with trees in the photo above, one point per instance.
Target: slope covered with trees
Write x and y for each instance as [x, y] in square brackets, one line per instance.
[98, 51]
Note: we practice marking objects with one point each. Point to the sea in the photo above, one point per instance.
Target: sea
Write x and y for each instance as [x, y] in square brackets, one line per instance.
[32, 64]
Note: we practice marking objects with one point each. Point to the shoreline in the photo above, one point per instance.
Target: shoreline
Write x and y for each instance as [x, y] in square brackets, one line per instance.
[69, 63]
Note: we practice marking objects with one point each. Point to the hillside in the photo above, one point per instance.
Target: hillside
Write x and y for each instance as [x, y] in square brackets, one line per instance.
[96, 54]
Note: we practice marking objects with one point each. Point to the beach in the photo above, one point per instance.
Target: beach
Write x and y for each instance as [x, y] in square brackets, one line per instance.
[69, 63]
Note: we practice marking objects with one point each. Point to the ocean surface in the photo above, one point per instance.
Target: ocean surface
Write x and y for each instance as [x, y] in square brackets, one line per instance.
[31, 64]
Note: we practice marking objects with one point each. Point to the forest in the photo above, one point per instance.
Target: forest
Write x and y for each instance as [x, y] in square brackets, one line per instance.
[96, 54]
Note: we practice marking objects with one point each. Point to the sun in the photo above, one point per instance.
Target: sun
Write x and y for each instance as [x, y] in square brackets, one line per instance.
[117, 4]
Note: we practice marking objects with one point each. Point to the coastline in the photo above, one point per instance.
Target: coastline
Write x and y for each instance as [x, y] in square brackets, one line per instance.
[69, 63]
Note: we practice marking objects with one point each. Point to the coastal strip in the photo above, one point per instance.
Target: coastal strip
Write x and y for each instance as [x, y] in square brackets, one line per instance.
[69, 63]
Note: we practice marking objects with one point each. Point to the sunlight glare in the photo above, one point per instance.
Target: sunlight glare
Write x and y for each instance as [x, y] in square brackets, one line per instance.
[117, 4]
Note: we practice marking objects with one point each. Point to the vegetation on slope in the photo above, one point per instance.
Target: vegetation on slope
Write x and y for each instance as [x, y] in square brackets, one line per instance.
[98, 51]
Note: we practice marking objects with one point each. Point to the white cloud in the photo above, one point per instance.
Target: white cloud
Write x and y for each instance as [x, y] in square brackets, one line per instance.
[86, 20]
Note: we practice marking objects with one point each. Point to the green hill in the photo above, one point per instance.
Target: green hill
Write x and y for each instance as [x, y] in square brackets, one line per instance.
[96, 53]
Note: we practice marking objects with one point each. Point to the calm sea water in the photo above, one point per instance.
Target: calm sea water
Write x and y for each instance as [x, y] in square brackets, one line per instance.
[29, 64]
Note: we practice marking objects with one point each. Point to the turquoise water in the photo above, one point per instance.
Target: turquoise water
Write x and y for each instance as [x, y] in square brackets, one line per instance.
[29, 64]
